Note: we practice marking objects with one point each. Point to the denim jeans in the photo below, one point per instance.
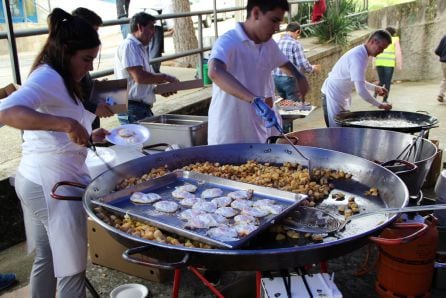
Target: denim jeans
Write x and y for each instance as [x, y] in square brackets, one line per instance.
[385, 75]
[136, 111]
[286, 87]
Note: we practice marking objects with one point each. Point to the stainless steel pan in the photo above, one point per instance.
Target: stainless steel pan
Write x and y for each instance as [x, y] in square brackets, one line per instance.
[263, 252]
[376, 145]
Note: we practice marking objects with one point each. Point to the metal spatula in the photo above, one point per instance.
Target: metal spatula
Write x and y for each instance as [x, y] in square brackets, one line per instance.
[307, 162]
[317, 221]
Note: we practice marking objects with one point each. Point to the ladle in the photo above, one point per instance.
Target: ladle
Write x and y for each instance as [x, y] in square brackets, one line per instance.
[317, 221]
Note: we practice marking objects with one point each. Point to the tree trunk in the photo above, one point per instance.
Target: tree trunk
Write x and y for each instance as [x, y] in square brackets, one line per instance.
[184, 37]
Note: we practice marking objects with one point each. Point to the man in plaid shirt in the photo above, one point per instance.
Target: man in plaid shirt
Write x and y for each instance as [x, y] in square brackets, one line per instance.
[286, 86]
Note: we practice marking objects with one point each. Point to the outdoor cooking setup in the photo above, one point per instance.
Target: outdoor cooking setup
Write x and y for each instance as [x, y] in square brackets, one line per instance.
[262, 253]
[356, 151]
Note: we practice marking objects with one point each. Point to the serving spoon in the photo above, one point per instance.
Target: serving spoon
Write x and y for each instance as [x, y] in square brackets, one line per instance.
[317, 221]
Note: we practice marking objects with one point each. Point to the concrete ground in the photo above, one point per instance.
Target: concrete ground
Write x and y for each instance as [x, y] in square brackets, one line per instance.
[406, 96]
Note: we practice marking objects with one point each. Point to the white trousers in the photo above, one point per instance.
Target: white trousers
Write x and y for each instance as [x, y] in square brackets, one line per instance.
[42, 281]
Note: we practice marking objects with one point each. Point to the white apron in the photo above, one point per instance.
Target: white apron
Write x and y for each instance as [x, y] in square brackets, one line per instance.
[67, 220]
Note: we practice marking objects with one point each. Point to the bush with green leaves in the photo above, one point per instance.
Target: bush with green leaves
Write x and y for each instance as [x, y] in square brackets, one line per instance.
[337, 24]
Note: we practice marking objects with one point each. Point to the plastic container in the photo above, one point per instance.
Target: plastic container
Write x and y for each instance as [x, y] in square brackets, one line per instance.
[206, 79]
[406, 260]
[130, 291]
[440, 190]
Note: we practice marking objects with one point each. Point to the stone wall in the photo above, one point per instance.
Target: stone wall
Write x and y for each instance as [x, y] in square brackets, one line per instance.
[421, 25]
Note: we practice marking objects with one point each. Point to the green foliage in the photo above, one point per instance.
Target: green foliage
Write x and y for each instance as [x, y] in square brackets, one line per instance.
[336, 26]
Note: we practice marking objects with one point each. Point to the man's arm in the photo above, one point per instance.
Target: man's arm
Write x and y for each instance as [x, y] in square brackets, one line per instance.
[361, 88]
[141, 76]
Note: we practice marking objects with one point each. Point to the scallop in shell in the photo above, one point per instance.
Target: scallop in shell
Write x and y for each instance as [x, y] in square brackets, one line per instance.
[226, 211]
[166, 206]
[222, 201]
[182, 194]
[187, 187]
[144, 198]
[223, 233]
[211, 193]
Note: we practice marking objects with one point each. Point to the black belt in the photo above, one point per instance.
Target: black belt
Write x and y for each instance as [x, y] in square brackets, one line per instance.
[137, 102]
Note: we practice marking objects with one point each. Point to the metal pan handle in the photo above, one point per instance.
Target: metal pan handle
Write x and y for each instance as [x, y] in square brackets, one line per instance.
[423, 229]
[127, 255]
[409, 167]
[66, 183]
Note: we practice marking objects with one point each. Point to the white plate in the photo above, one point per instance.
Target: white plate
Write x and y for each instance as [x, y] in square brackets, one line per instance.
[130, 291]
[140, 135]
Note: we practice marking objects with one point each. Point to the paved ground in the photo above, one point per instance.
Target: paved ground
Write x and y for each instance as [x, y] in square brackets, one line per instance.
[408, 96]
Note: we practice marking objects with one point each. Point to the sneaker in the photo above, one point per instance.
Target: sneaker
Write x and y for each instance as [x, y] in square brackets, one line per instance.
[440, 98]
[6, 280]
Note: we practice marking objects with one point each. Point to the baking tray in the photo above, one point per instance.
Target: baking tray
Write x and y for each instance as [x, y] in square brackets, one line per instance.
[183, 130]
[119, 202]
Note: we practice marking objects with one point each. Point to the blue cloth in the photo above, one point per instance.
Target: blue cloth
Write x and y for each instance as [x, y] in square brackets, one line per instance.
[6, 280]
[286, 87]
[136, 111]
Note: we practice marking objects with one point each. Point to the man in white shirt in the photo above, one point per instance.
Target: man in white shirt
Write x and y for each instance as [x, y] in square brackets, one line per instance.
[240, 66]
[132, 63]
[349, 72]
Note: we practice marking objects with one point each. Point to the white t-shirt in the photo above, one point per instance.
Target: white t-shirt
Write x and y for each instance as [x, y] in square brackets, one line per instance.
[232, 120]
[347, 73]
[131, 52]
[45, 92]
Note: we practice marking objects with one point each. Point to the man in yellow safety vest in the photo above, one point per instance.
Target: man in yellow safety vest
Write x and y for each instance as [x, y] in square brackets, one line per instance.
[386, 61]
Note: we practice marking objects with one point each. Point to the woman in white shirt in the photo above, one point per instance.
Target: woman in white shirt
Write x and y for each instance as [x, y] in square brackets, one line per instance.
[57, 130]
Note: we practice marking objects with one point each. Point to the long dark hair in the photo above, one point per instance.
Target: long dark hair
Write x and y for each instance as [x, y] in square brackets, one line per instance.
[67, 35]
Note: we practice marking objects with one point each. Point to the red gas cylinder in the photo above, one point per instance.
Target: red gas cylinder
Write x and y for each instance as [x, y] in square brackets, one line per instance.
[406, 259]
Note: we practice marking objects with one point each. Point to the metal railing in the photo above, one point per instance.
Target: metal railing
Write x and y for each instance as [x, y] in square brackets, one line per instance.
[10, 35]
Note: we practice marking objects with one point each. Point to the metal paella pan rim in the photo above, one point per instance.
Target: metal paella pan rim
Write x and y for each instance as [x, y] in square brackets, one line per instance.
[418, 120]
[260, 256]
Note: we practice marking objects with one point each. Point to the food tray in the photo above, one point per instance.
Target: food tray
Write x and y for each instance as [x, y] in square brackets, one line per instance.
[119, 202]
[183, 130]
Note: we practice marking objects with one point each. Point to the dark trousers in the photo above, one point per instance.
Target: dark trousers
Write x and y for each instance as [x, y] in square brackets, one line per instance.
[156, 47]
[385, 75]
[324, 108]
[136, 111]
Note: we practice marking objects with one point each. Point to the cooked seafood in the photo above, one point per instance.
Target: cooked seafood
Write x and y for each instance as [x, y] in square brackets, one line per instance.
[187, 187]
[256, 212]
[240, 204]
[166, 206]
[189, 202]
[222, 201]
[245, 229]
[241, 194]
[226, 211]
[144, 198]
[245, 219]
[270, 208]
[206, 206]
[263, 202]
[182, 194]
[205, 221]
[125, 133]
[190, 213]
[211, 193]
[223, 233]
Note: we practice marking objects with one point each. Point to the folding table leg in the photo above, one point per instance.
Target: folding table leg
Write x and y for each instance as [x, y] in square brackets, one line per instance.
[176, 283]
[91, 288]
